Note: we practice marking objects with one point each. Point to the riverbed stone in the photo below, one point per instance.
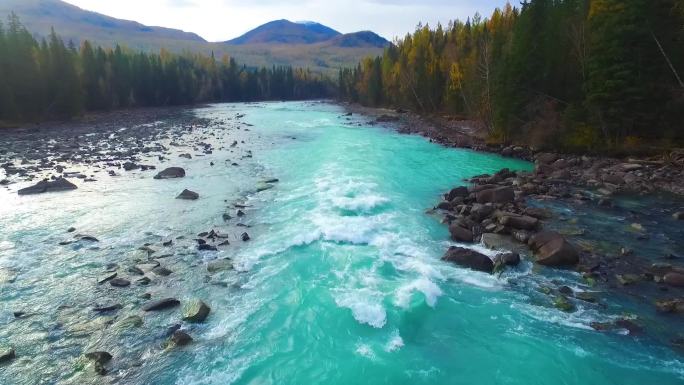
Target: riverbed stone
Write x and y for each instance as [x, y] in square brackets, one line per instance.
[160, 304]
[460, 191]
[496, 195]
[522, 222]
[508, 259]
[46, 186]
[129, 322]
[188, 195]
[7, 354]
[120, 282]
[263, 186]
[171, 173]
[219, 265]
[196, 311]
[180, 338]
[460, 234]
[469, 258]
[552, 249]
[106, 277]
[161, 271]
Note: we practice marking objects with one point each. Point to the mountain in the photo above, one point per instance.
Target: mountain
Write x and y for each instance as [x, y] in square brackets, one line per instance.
[281, 42]
[74, 23]
[359, 39]
[286, 32]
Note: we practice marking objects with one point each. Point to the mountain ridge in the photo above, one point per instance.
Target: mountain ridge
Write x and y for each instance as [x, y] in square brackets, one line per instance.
[323, 49]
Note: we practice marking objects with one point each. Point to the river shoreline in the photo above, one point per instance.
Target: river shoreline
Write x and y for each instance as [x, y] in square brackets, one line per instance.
[538, 201]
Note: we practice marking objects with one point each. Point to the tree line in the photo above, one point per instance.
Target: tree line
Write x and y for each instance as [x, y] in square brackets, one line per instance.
[50, 79]
[575, 74]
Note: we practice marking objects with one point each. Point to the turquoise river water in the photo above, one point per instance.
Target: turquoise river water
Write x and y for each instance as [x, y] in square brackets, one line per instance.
[341, 283]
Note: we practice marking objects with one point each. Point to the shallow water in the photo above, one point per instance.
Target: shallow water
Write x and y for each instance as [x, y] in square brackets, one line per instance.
[342, 282]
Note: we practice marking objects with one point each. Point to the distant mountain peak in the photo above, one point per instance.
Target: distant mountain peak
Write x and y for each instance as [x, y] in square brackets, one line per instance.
[286, 32]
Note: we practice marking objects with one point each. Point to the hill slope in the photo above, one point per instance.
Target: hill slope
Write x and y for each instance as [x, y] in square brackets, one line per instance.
[74, 23]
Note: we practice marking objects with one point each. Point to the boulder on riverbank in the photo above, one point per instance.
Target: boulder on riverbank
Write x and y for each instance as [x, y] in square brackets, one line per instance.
[469, 258]
[552, 249]
[46, 186]
[171, 173]
[496, 195]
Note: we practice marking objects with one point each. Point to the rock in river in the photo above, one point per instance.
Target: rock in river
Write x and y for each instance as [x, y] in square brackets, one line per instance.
[6, 355]
[120, 282]
[188, 195]
[99, 360]
[196, 311]
[552, 249]
[45, 186]
[469, 258]
[180, 338]
[170, 173]
[219, 265]
[161, 304]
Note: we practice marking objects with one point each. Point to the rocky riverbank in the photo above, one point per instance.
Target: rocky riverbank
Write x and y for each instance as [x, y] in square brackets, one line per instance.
[638, 175]
[129, 295]
[615, 223]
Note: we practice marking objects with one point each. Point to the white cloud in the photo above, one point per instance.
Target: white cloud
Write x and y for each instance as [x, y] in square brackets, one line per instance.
[219, 20]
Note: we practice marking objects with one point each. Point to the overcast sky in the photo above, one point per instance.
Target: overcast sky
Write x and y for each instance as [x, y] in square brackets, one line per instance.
[219, 20]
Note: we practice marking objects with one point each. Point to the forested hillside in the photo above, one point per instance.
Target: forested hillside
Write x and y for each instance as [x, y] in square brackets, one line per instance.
[51, 79]
[575, 74]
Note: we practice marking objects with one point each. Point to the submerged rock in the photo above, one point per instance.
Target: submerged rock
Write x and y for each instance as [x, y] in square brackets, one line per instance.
[160, 304]
[170, 173]
[263, 187]
[129, 322]
[188, 195]
[469, 258]
[196, 311]
[563, 303]
[45, 186]
[99, 359]
[219, 265]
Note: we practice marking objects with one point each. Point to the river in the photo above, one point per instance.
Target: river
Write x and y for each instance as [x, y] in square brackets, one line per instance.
[341, 282]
